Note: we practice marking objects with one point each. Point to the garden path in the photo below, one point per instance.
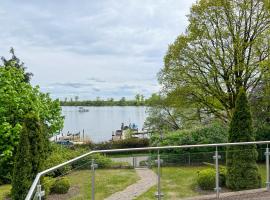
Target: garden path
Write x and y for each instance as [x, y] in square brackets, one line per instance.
[147, 179]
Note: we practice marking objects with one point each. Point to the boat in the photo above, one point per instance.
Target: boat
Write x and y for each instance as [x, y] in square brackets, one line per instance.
[82, 109]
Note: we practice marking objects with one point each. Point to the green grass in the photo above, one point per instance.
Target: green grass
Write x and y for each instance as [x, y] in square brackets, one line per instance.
[177, 182]
[180, 182]
[107, 182]
[4, 191]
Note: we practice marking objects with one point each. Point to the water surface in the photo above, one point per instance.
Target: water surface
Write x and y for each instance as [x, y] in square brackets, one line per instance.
[99, 122]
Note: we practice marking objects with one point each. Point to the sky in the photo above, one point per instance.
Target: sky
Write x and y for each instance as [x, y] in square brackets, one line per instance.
[92, 48]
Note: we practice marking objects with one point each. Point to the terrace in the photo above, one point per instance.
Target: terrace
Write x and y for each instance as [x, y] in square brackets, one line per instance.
[156, 174]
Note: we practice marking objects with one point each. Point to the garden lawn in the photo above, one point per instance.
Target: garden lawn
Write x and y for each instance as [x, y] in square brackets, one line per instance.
[177, 182]
[107, 183]
[4, 191]
[180, 182]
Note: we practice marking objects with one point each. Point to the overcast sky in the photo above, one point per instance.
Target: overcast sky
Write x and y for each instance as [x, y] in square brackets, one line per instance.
[92, 48]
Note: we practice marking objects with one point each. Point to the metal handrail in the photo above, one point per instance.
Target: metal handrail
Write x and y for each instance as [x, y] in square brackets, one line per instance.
[39, 175]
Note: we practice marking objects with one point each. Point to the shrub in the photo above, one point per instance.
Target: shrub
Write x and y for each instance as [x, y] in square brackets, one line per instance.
[60, 154]
[60, 186]
[212, 133]
[120, 165]
[207, 178]
[47, 183]
[241, 160]
[119, 144]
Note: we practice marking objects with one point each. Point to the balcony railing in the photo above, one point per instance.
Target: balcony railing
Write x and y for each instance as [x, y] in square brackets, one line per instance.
[36, 192]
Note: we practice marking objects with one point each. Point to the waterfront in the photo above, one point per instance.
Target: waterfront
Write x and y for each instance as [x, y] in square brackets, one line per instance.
[99, 122]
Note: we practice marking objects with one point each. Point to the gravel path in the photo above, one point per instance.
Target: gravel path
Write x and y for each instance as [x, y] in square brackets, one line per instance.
[147, 179]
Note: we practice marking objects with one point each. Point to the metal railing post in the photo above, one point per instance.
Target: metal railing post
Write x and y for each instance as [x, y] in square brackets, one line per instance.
[93, 167]
[216, 158]
[39, 192]
[159, 194]
[267, 168]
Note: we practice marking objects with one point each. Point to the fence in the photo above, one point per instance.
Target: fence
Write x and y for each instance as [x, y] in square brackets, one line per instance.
[36, 192]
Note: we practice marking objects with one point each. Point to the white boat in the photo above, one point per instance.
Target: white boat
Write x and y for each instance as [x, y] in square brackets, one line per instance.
[82, 109]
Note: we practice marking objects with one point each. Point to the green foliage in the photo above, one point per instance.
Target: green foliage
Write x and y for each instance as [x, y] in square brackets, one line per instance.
[213, 133]
[60, 186]
[162, 115]
[47, 183]
[262, 133]
[22, 175]
[30, 155]
[138, 101]
[119, 144]
[220, 52]
[260, 104]
[39, 142]
[15, 62]
[207, 178]
[241, 160]
[59, 154]
[17, 98]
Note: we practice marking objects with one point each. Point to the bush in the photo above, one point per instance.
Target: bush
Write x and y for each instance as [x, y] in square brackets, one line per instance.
[48, 183]
[121, 165]
[60, 186]
[207, 178]
[213, 133]
[60, 154]
[119, 144]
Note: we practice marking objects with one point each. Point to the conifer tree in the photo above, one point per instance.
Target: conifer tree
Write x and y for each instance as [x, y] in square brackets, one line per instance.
[37, 139]
[242, 169]
[30, 156]
[22, 174]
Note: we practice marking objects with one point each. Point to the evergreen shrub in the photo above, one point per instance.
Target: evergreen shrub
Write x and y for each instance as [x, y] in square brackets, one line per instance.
[242, 169]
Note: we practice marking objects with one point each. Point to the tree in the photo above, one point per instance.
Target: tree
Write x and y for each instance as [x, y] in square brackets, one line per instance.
[29, 158]
[122, 102]
[164, 114]
[17, 98]
[137, 99]
[14, 61]
[260, 102]
[39, 142]
[226, 47]
[22, 174]
[242, 169]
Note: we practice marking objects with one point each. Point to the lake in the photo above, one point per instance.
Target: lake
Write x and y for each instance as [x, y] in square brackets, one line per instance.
[99, 123]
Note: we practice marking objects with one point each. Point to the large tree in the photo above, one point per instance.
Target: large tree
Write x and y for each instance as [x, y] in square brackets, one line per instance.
[225, 47]
[17, 98]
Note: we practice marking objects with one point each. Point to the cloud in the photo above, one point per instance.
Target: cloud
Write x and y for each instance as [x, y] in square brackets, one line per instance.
[116, 47]
[72, 85]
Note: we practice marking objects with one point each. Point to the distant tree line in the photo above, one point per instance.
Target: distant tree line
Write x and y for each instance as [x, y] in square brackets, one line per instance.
[139, 100]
